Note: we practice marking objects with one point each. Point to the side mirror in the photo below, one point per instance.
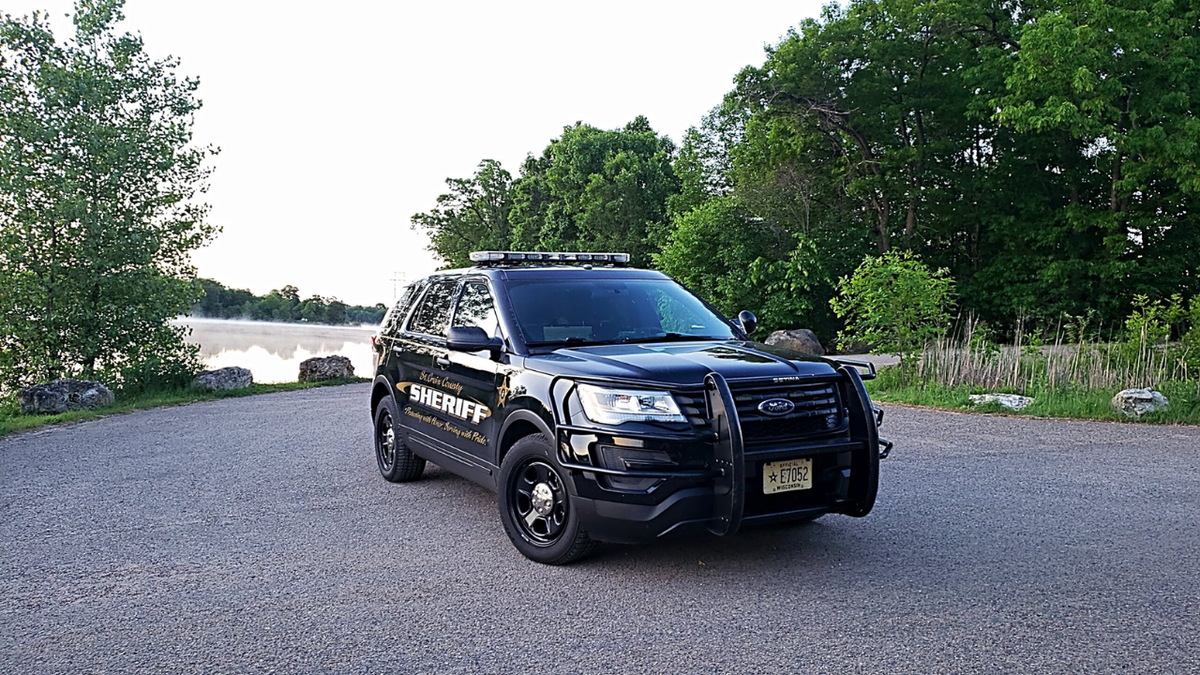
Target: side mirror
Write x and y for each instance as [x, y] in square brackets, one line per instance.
[473, 339]
[748, 321]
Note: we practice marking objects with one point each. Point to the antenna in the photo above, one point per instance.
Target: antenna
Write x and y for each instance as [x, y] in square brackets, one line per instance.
[399, 280]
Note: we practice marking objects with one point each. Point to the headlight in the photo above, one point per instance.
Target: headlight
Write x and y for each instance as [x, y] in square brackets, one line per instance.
[617, 406]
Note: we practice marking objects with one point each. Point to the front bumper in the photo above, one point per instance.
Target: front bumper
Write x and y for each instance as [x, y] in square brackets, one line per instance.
[630, 486]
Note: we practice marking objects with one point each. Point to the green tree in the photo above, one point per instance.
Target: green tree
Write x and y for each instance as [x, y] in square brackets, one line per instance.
[596, 190]
[715, 249]
[894, 303]
[100, 187]
[335, 312]
[1044, 153]
[472, 216]
[1108, 90]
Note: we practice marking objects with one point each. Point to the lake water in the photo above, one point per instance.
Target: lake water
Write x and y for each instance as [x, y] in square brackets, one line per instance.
[273, 351]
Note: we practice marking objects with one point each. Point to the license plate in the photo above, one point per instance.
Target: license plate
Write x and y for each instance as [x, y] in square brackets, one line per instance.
[793, 474]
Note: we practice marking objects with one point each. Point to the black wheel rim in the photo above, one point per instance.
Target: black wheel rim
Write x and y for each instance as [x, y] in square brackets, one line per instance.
[385, 442]
[538, 502]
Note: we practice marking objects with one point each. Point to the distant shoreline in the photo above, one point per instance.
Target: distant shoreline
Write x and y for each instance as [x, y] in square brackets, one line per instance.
[187, 320]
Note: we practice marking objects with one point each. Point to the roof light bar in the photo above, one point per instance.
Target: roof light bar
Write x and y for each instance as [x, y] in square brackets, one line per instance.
[511, 257]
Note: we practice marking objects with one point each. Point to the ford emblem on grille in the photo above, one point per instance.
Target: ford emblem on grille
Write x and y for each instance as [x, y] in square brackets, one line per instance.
[776, 406]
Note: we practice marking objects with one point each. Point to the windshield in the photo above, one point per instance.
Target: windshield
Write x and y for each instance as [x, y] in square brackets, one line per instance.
[605, 311]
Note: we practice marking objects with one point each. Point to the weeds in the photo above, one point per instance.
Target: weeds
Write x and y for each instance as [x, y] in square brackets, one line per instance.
[1074, 373]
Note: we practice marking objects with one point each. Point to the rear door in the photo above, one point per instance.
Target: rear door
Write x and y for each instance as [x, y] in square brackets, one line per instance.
[417, 377]
[443, 415]
[388, 343]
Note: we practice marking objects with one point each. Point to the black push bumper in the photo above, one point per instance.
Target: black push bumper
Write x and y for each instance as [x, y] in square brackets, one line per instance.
[711, 494]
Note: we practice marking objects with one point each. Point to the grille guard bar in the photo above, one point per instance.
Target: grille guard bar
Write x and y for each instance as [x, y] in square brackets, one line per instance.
[869, 375]
[729, 467]
[730, 457]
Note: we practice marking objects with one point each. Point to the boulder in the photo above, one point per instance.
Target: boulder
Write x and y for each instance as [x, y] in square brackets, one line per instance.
[60, 396]
[1138, 402]
[223, 378]
[800, 340]
[1011, 401]
[328, 368]
[853, 348]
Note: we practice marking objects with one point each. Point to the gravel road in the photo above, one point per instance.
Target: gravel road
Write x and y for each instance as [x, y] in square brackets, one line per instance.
[255, 535]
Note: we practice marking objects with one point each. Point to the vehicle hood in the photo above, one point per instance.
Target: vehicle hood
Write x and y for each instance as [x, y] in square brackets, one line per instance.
[680, 363]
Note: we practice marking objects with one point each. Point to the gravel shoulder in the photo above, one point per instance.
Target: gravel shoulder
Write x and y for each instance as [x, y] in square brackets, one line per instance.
[255, 534]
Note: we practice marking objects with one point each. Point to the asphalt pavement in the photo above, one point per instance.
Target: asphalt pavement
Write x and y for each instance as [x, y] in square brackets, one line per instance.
[255, 535]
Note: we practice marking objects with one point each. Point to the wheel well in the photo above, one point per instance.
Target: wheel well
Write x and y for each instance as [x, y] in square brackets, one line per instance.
[515, 432]
[377, 395]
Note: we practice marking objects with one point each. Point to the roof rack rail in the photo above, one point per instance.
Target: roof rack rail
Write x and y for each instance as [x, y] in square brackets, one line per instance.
[497, 258]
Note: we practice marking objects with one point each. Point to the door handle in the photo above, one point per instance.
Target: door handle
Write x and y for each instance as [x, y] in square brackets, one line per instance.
[442, 362]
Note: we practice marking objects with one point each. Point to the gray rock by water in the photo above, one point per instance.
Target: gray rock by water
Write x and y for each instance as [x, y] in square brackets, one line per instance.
[221, 379]
[328, 368]
[62, 395]
[800, 340]
[1010, 401]
[1138, 402]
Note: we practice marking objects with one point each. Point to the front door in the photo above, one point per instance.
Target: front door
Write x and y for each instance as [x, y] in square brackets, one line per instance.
[476, 373]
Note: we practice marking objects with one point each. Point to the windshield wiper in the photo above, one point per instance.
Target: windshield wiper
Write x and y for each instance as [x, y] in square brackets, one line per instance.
[669, 337]
[570, 342]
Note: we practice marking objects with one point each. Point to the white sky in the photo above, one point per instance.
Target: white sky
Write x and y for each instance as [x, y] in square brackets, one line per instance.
[338, 121]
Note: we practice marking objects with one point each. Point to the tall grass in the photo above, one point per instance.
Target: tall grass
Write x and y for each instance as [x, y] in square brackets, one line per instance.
[1027, 366]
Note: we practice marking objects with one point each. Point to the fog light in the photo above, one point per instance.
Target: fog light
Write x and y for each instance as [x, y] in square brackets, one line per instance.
[630, 459]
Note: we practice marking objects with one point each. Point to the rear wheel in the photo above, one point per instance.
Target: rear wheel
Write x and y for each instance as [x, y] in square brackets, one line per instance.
[396, 462]
[535, 505]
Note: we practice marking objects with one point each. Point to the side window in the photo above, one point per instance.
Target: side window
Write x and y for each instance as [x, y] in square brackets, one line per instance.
[475, 308]
[433, 314]
[396, 315]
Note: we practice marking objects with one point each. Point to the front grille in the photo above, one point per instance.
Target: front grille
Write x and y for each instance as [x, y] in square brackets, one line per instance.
[818, 410]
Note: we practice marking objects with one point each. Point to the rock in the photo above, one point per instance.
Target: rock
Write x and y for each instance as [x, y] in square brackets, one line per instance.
[62, 395]
[328, 368]
[800, 340]
[223, 378]
[1138, 402]
[854, 348]
[1011, 401]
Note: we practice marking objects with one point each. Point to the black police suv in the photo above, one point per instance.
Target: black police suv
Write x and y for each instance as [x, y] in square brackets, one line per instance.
[604, 403]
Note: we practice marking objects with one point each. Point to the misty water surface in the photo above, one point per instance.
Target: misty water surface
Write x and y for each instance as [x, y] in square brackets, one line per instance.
[273, 351]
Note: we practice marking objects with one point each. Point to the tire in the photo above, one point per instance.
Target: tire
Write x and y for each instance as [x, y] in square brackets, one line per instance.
[396, 462]
[535, 505]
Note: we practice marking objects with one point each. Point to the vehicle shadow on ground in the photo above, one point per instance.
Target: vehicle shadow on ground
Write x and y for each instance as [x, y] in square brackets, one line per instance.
[833, 540]
[788, 542]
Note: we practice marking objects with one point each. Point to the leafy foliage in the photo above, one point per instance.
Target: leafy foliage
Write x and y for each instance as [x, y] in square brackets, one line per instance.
[100, 189]
[1042, 152]
[590, 190]
[1046, 154]
[472, 216]
[895, 303]
[713, 251]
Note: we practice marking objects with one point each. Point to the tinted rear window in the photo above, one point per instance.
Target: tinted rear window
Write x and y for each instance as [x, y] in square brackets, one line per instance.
[433, 315]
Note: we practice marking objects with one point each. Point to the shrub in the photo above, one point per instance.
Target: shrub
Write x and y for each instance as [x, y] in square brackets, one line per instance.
[894, 302]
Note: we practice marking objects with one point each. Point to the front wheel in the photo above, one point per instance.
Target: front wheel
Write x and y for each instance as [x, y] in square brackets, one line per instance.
[396, 462]
[535, 505]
